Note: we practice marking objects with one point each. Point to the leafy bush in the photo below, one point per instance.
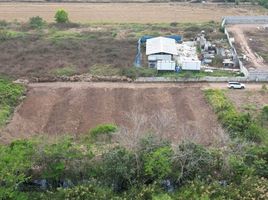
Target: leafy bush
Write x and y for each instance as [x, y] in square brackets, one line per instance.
[157, 164]
[61, 16]
[256, 157]
[102, 129]
[15, 161]
[119, 168]
[62, 160]
[249, 188]
[36, 22]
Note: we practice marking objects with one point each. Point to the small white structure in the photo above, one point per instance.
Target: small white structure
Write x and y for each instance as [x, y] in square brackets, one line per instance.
[161, 52]
[187, 57]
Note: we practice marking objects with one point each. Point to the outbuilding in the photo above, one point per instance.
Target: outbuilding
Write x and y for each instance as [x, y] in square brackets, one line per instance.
[161, 52]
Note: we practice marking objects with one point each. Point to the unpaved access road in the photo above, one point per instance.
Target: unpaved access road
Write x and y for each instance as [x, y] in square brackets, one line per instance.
[126, 12]
[178, 110]
[242, 41]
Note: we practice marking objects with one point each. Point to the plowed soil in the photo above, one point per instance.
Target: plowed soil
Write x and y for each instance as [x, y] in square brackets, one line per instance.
[61, 108]
[126, 12]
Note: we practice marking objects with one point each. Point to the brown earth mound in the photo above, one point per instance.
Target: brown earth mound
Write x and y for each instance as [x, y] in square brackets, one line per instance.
[179, 111]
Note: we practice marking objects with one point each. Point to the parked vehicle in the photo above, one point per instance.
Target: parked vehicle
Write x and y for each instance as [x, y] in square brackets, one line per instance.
[235, 85]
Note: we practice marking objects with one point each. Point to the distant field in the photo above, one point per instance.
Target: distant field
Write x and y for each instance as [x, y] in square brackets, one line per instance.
[125, 12]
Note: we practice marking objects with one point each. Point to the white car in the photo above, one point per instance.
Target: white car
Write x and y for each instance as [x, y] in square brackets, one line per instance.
[236, 85]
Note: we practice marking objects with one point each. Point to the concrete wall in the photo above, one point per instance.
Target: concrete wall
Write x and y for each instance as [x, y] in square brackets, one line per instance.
[246, 20]
[181, 79]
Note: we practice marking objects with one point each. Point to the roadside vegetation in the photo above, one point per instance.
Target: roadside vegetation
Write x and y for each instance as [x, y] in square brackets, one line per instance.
[9, 98]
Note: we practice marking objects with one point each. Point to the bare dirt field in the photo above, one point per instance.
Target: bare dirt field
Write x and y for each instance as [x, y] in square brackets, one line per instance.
[251, 40]
[251, 101]
[178, 110]
[126, 12]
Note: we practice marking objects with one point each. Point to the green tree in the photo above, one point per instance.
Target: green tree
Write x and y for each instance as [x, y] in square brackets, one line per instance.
[157, 164]
[61, 16]
[36, 22]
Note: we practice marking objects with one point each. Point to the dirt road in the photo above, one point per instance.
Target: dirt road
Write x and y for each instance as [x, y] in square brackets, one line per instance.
[238, 32]
[126, 12]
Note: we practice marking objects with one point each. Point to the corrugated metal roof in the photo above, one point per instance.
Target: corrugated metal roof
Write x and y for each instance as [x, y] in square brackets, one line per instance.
[161, 45]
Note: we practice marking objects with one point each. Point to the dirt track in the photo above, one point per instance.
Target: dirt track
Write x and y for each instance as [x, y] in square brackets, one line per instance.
[242, 41]
[60, 108]
[126, 12]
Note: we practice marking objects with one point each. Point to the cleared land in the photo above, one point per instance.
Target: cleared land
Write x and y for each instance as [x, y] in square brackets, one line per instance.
[178, 110]
[81, 48]
[251, 40]
[125, 12]
[251, 101]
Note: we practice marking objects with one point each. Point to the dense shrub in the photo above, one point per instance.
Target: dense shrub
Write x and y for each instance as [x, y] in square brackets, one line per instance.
[103, 129]
[119, 169]
[63, 160]
[157, 164]
[61, 16]
[248, 188]
[15, 162]
[36, 22]
[191, 160]
[256, 157]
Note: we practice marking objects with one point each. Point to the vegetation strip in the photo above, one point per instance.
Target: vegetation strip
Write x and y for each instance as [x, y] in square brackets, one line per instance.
[9, 98]
[239, 125]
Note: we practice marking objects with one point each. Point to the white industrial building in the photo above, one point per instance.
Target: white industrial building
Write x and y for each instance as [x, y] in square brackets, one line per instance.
[161, 53]
[165, 54]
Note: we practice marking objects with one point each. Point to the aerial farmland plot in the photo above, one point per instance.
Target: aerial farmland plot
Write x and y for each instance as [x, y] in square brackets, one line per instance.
[86, 112]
